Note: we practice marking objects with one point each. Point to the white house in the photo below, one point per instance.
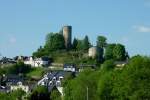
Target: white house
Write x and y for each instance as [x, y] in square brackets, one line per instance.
[19, 85]
[43, 61]
[29, 61]
[69, 67]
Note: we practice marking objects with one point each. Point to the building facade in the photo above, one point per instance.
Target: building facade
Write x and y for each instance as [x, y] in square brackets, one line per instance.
[92, 52]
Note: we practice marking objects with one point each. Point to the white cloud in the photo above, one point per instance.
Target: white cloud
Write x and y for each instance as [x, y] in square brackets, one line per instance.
[142, 28]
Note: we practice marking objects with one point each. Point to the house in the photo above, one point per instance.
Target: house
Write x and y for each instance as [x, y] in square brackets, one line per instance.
[22, 58]
[120, 63]
[69, 67]
[15, 82]
[12, 79]
[37, 62]
[5, 60]
[4, 89]
[29, 61]
[19, 85]
[43, 61]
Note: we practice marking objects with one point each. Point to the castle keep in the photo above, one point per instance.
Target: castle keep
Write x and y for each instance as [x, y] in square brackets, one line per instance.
[67, 34]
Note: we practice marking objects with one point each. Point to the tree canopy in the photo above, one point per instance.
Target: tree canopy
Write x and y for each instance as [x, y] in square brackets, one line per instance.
[101, 41]
[119, 52]
[108, 83]
[40, 93]
[54, 42]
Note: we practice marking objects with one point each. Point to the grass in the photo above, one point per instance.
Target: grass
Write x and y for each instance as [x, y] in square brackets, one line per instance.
[36, 73]
[68, 57]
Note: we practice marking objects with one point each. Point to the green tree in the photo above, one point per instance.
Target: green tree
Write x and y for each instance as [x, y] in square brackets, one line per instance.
[54, 42]
[109, 51]
[119, 52]
[76, 89]
[133, 82]
[55, 95]
[40, 93]
[40, 52]
[86, 43]
[105, 85]
[18, 68]
[108, 65]
[80, 45]
[75, 43]
[101, 41]
[17, 95]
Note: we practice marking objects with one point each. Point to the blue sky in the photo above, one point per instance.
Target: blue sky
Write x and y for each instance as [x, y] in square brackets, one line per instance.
[25, 23]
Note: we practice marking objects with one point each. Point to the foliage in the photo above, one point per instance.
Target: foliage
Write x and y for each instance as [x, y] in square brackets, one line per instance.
[54, 42]
[108, 65]
[35, 73]
[109, 51]
[18, 68]
[18, 94]
[80, 45]
[75, 43]
[119, 52]
[40, 93]
[76, 89]
[130, 83]
[55, 95]
[40, 52]
[15, 95]
[101, 41]
[86, 43]
[133, 82]
[105, 85]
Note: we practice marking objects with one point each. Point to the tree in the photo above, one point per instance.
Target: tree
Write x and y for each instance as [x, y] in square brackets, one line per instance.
[40, 52]
[76, 89]
[80, 45]
[75, 43]
[133, 82]
[55, 95]
[40, 93]
[119, 52]
[18, 68]
[54, 42]
[109, 51]
[105, 85]
[108, 65]
[101, 41]
[15, 95]
[86, 43]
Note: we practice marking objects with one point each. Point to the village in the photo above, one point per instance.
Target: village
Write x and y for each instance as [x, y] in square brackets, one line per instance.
[52, 72]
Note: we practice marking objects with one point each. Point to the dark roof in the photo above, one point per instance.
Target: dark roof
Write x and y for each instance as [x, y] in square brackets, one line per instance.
[5, 60]
[13, 79]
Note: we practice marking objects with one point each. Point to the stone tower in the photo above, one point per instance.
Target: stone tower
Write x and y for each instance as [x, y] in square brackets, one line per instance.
[67, 34]
[93, 52]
